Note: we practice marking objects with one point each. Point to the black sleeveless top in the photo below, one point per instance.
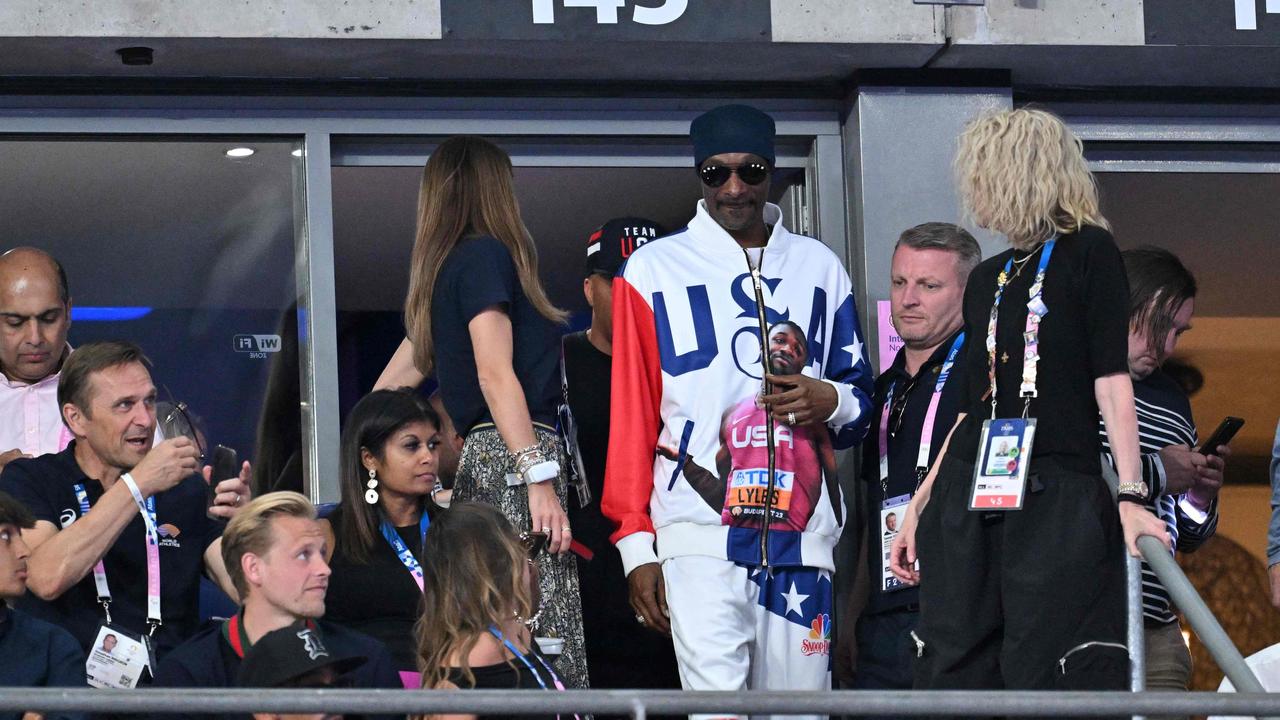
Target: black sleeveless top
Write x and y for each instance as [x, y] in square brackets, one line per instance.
[515, 675]
[377, 597]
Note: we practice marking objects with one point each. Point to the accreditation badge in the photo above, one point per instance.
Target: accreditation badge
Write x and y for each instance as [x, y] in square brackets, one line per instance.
[891, 512]
[117, 659]
[1000, 475]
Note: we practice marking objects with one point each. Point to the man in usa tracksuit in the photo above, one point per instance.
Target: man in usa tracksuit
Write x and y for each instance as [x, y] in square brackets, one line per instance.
[738, 369]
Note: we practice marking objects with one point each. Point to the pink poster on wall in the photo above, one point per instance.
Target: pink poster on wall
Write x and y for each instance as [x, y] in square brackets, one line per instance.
[890, 343]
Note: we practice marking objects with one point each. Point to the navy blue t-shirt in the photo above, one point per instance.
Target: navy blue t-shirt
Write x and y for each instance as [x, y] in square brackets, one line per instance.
[46, 486]
[478, 274]
[34, 653]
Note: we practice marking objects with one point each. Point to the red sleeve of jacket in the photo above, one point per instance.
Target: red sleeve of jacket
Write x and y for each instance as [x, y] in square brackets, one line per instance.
[634, 419]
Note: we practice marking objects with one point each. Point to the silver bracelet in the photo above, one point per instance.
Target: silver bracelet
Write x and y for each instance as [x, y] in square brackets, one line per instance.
[515, 454]
[528, 460]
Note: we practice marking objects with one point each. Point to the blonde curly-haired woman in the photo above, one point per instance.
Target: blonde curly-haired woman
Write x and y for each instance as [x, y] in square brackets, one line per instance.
[1033, 597]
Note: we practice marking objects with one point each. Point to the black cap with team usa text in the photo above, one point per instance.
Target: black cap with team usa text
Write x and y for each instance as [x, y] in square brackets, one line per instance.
[613, 243]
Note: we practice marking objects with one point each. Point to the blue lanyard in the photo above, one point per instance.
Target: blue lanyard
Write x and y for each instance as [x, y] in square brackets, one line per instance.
[948, 363]
[403, 552]
[1031, 336]
[493, 629]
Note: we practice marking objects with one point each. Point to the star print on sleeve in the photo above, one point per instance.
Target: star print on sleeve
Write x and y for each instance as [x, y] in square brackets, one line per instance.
[850, 372]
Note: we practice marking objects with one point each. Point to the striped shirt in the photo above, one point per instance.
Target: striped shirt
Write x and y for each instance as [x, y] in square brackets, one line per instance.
[1164, 419]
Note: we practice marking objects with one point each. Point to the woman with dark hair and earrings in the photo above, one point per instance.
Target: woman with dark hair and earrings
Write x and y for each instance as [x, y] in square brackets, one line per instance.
[478, 317]
[375, 534]
[480, 600]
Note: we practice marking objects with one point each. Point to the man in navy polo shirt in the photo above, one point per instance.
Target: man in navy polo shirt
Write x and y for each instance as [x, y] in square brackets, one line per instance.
[92, 547]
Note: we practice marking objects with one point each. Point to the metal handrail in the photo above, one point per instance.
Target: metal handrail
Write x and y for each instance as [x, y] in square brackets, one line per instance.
[196, 702]
[1198, 615]
[1137, 626]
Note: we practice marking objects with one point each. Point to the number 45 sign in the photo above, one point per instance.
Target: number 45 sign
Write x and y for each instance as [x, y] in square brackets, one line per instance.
[544, 11]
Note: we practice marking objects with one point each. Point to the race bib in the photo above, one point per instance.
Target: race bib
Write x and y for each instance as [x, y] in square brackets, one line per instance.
[749, 492]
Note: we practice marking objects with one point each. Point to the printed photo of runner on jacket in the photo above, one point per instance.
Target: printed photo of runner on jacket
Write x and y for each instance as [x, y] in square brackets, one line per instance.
[806, 461]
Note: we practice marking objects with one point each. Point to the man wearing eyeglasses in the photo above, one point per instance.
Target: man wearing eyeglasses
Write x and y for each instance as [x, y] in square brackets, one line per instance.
[916, 402]
[745, 594]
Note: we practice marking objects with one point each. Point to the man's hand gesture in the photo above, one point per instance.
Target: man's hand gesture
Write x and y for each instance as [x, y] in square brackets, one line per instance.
[168, 464]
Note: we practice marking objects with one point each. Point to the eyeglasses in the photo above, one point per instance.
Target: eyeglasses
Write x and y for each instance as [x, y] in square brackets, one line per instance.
[717, 175]
[175, 421]
[534, 543]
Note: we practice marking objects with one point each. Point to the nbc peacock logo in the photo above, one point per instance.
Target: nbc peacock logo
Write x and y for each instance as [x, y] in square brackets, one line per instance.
[819, 640]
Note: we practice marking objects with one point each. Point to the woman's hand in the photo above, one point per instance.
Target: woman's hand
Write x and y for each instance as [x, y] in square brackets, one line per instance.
[1137, 520]
[549, 517]
[902, 554]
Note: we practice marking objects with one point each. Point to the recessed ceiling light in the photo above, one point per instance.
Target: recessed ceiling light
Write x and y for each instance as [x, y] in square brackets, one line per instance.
[240, 152]
[297, 152]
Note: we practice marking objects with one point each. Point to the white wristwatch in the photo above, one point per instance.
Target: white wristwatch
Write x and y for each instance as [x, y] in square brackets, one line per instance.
[540, 473]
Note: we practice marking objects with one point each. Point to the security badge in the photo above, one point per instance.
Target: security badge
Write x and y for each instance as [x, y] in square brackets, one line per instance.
[891, 511]
[118, 659]
[1000, 476]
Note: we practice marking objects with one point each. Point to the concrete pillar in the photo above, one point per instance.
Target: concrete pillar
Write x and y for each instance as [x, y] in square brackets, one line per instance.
[899, 146]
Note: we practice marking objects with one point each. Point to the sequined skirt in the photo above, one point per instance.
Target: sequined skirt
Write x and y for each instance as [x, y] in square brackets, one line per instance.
[482, 473]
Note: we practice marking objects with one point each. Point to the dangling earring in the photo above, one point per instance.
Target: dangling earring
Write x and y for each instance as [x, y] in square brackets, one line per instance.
[371, 495]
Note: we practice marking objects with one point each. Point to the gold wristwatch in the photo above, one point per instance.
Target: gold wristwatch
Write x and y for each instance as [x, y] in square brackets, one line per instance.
[1139, 488]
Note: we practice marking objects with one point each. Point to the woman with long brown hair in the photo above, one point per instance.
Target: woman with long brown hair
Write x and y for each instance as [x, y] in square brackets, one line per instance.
[478, 318]
[1018, 535]
[480, 599]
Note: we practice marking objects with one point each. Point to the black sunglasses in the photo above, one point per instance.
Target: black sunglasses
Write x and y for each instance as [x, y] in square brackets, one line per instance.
[717, 175]
[899, 407]
[534, 543]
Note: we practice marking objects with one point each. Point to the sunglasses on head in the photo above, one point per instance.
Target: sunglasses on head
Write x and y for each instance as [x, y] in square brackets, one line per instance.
[534, 543]
[714, 175]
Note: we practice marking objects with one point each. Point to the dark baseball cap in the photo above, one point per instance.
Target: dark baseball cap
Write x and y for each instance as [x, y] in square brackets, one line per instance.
[286, 655]
[609, 246]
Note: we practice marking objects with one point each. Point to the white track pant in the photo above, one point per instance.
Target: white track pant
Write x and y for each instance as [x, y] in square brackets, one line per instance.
[747, 629]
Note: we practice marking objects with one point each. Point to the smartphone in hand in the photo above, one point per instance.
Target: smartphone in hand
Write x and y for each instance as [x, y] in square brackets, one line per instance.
[1226, 430]
[226, 465]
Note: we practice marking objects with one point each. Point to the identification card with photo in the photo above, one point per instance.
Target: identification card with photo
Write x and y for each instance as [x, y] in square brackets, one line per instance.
[891, 512]
[1000, 475]
[117, 659]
